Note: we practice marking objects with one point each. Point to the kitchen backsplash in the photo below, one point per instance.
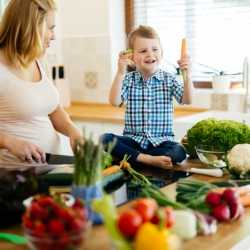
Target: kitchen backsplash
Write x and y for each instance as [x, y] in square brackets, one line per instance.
[87, 63]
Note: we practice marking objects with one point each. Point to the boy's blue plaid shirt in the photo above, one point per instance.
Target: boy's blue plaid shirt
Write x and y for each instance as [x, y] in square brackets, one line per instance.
[149, 107]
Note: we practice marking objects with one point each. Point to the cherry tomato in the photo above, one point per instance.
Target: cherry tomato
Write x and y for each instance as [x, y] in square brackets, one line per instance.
[146, 208]
[168, 217]
[129, 222]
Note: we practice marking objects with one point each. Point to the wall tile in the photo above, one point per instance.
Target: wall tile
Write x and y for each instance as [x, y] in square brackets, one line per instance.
[82, 55]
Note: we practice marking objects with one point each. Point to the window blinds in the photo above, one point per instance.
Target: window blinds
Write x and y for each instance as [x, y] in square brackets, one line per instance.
[218, 31]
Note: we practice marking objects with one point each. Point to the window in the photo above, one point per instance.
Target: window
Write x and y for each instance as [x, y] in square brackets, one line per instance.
[3, 3]
[218, 31]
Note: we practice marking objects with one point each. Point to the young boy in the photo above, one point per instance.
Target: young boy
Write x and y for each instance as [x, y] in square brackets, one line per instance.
[148, 95]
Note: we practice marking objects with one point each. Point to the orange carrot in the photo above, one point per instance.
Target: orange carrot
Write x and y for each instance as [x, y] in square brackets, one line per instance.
[184, 48]
[183, 55]
[245, 200]
[110, 170]
[240, 190]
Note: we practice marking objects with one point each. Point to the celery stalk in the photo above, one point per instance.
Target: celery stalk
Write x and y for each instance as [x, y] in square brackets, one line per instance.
[106, 207]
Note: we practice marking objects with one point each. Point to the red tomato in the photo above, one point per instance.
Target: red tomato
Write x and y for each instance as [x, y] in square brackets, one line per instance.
[169, 217]
[146, 207]
[129, 222]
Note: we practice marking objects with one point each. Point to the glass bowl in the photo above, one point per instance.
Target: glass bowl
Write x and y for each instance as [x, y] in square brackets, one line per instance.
[67, 241]
[211, 156]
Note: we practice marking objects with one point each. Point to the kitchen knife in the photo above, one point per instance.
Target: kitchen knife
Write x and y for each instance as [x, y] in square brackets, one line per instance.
[54, 159]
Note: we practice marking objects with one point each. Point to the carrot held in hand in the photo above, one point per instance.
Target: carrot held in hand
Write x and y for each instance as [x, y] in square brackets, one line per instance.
[184, 54]
[183, 48]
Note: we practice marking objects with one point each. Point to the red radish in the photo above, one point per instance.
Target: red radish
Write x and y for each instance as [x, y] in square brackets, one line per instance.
[213, 199]
[236, 210]
[230, 196]
[221, 212]
[27, 222]
[38, 212]
[50, 217]
[45, 201]
[56, 227]
[77, 224]
[39, 229]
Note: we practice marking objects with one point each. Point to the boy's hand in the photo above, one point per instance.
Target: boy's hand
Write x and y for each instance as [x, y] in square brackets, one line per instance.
[125, 59]
[184, 63]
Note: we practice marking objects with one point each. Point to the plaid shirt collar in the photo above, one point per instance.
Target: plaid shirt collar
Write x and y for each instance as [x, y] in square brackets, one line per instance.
[158, 75]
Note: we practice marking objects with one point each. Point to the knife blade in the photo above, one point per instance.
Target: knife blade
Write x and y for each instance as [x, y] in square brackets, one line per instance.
[55, 159]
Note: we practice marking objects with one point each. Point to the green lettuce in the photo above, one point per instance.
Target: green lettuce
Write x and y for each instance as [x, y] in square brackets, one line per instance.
[221, 135]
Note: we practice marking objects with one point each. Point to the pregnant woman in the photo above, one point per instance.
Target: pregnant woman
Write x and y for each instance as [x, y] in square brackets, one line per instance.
[30, 114]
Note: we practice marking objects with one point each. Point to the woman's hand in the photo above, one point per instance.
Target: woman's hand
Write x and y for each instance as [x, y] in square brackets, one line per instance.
[24, 150]
[184, 63]
[125, 59]
[75, 136]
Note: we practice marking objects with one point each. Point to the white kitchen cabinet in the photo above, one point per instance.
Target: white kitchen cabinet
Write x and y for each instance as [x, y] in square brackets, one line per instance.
[99, 128]
[94, 128]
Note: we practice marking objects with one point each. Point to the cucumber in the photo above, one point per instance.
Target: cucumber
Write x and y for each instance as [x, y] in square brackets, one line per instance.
[59, 179]
[109, 182]
[114, 181]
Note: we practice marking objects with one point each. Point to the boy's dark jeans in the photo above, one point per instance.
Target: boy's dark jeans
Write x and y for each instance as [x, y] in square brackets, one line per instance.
[126, 145]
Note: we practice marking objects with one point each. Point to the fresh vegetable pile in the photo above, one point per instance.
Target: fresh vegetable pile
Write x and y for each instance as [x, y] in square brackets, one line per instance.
[52, 225]
[222, 135]
[192, 193]
[223, 203]
[141, 226]
[188, 223]
[141, 211]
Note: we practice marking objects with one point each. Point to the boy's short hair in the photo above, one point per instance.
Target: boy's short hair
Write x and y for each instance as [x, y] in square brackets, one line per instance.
[142, 31]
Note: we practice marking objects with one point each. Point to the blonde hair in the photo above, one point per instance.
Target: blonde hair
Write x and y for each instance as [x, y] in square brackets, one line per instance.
[144, 32]
[20, 30]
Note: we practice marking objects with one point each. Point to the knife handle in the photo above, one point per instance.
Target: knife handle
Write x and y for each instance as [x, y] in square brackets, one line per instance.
[211, 172]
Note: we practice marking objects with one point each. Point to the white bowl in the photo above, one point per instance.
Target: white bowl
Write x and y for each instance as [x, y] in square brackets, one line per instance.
[69, 200]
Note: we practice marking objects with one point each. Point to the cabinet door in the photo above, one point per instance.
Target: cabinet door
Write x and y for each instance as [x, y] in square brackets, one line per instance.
[96, 129]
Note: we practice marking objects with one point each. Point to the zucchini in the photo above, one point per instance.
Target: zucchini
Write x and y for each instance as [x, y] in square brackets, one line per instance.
[109, 182]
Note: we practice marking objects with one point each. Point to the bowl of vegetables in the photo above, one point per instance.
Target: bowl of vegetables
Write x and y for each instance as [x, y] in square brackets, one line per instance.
[54, 222]
[210, 156]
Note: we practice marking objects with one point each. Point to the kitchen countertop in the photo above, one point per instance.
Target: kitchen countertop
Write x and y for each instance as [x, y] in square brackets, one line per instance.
[93, 112]
[227, 236]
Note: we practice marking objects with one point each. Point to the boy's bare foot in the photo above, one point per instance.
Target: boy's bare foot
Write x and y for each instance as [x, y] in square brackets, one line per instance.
[161, 161]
